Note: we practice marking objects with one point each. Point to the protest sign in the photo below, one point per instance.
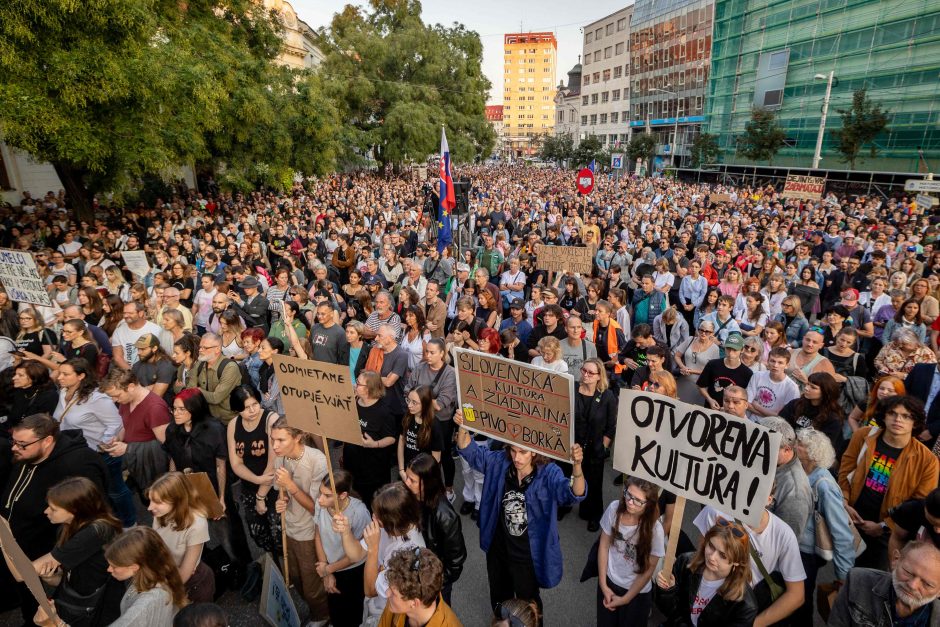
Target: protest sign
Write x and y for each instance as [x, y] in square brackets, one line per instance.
[564, 258]
[804, 187]
[136, 262]
[24, 566]
[698, 453]
[20, 278]
[277, 606]
[717, 198]
[516, 403]
[318, 398]
[205, 494]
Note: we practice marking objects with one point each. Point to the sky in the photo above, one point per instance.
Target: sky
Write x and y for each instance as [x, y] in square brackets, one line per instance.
[492, 19]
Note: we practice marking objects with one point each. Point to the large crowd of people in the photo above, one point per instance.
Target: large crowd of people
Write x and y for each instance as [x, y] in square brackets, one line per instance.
[818, 319]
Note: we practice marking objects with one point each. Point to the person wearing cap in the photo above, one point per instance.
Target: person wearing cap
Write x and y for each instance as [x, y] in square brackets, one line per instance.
[719, 374]
[517, 318]
[253, 308]
[847, 248]
[134, 327]
[861, 317]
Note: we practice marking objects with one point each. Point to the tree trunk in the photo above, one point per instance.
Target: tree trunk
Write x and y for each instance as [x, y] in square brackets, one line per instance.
[78, 197]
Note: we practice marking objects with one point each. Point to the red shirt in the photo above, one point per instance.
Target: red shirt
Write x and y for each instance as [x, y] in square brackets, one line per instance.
[139, 424]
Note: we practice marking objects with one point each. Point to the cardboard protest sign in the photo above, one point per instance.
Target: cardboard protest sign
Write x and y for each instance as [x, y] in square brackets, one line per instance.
[318, 398]
[277, 606]
[717, 198]
[24, 566]
[516, 403]
[20, 278]
[564, 258]
[804, 187]
[136, 262]
[704, 455]
[205, 494]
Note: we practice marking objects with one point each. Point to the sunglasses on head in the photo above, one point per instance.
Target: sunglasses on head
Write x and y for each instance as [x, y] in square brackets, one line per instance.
[505, 614]
[736, 529]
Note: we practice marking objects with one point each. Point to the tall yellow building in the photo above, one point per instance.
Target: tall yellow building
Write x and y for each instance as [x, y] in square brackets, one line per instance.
[529, 63]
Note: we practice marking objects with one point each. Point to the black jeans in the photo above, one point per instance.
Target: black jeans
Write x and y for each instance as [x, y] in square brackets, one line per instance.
[447, 457]
[346, 607]
[811, 564]
[592, 507]
[636, 612]
[511, 579]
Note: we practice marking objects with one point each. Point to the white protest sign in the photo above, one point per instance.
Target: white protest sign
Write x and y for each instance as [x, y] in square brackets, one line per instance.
[277, 606]
[136, 262]
[704, 455]
[21, 279]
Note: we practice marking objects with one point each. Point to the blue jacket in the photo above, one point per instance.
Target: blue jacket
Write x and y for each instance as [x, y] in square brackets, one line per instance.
[549, 489]
[830, 505]
[795, 330]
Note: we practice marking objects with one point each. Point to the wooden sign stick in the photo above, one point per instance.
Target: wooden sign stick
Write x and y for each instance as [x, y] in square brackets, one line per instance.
[674, 530]
[284, 542]
[329, 470]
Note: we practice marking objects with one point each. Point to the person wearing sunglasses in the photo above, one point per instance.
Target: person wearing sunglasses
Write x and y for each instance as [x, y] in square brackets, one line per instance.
[516, 613]
[710, 584]
[595, 411]
[631, 543]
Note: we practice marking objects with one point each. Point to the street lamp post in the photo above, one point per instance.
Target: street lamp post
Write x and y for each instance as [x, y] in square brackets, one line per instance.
[817, 156]
[675, 126]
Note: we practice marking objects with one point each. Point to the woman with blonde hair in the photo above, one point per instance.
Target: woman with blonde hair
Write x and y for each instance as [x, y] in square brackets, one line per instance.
[595, 412]
[550, 355]
[711, 584]
[156, 592]
[662, 382]
[183, 525]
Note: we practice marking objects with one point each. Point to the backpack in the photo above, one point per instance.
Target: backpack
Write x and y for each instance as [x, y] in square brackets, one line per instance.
[242, 369]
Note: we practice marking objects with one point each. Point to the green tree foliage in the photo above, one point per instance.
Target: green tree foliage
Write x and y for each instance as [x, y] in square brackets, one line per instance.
[861, 124]
[763, 136]
[558, 148]
[704, 149]
[589, 149]
[642, 145]
[396, 80]
[111, 91]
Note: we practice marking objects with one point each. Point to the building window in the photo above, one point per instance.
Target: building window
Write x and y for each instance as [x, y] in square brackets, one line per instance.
[613, 117]
[773, 98]
[598, 33]
[603, 118]
[779, 59]
[618, 49]
[597, 56]
[596, 77]
[571, 116]
[588, 37]
[593, 98]
[610, 28]
[618, 72]
[613, 138]
[621, 24]
[587, 79]
[583, 120]
[594, 119]
[561, 117]
[584, 100]
[606, 75]
[608, 52]
[615, 95]
[605, 96]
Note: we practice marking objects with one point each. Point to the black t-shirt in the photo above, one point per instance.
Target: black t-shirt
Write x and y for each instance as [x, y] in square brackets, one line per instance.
[371, 465]
[910, 517]
[803, 416]
[185, 284]
[716, 376]
[34, 341]
[877, 475]
[513, 528]
[82, 557]
[436, 443]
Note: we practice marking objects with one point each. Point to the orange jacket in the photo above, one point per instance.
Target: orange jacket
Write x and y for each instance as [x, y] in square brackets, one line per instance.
[612, 348]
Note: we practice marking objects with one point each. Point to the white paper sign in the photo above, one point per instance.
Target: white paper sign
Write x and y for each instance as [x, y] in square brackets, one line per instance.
[706, 456]
[136, 262]
[21, 279]
[277, 606]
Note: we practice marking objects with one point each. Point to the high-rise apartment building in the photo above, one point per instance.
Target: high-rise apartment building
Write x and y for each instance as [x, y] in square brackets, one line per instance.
[529, 64]
[670, 51]
[768, 54]
[605, 78]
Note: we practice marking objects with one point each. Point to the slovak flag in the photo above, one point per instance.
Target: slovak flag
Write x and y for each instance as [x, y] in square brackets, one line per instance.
[448, 200]
[592, 166]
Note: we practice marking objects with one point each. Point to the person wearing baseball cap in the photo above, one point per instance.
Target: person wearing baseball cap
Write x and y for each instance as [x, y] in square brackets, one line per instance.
[860, 316]
[253, 308]
[721, 373]
[517, 318]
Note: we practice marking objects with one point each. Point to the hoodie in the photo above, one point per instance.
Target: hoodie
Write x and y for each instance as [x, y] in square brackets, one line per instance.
[23, 499]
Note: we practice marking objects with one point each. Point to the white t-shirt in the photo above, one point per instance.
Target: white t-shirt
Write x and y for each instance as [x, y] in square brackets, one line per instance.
[558, 366]
[126, 338]
[776, 546]
[177, 541]
[706, 591]
[770, 395]
[621, 564]
[388, 546]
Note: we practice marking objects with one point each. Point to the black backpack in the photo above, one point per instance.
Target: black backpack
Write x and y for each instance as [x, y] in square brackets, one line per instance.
[242, 369]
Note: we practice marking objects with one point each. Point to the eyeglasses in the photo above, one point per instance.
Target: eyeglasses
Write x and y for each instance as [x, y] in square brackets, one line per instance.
[629, 498]
[412, 401]
[589, 372]
[751, 349]
[706, 332]
[179, 410]
[25, 446]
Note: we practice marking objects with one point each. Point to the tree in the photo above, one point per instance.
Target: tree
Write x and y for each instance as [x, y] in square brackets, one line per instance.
[396, 81]
[590, 149]
[113, 91]
[704, 149]
[860, 125]
[763, 136]
[556, 148]
[642, 145]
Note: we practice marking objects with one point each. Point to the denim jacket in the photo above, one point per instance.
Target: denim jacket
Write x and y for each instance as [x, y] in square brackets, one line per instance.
[795, 330]
[865, 601]
[549, 490]
[831, 506]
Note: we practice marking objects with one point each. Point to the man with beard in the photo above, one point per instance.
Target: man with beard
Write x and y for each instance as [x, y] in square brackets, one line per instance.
[42, 457]
[905, 596]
